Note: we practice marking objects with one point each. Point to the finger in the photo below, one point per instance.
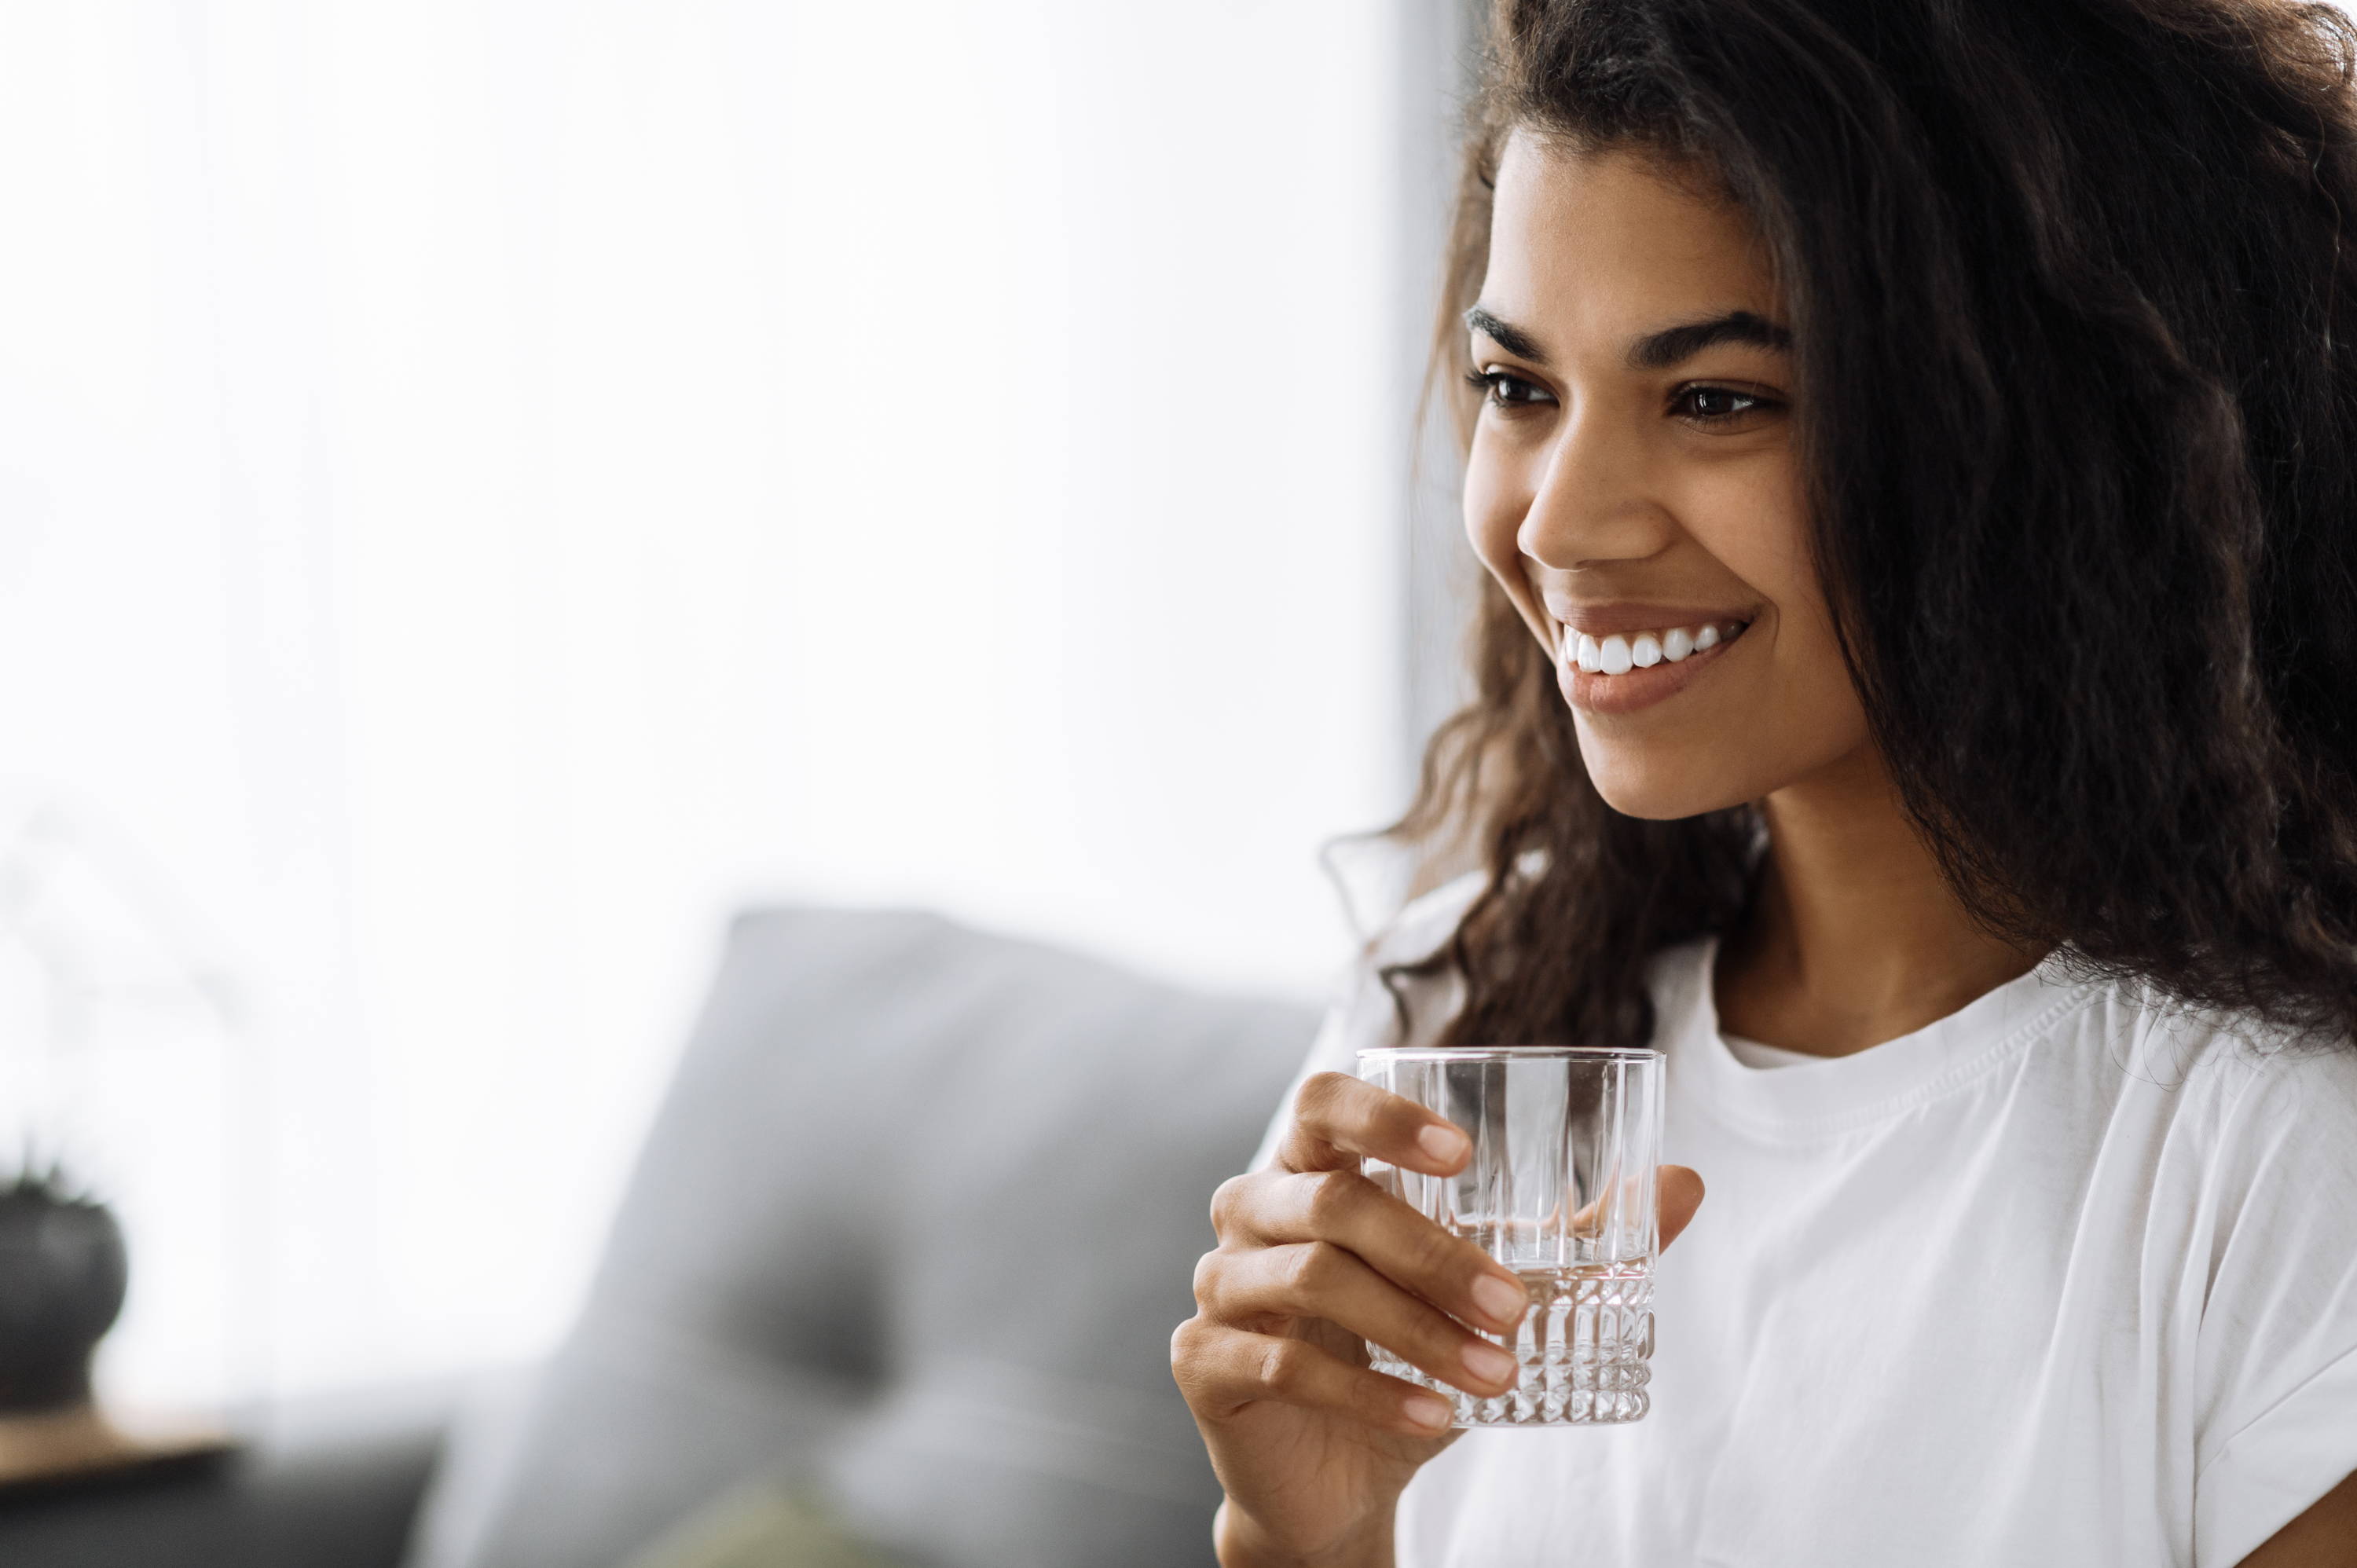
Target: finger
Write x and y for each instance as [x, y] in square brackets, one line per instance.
[1222, 1370]
[1677, 1193]
[1403, 1246]
[1338, 1120]
[1320, 1280]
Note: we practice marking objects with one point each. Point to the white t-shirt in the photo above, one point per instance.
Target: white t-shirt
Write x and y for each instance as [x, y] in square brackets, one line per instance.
[2059, 1279]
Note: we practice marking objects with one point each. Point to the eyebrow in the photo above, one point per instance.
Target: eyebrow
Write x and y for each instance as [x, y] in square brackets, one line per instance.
[1511, 339]
[1673, 345]
[1655, 351]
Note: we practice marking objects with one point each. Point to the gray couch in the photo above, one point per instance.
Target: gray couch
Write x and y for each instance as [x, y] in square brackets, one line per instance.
[911, 1230]
[907, 1237]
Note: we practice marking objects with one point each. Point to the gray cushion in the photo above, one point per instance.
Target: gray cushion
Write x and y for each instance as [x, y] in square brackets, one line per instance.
[910, 1232]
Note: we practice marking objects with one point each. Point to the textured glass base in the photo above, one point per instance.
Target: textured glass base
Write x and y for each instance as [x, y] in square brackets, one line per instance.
[1584, 1349]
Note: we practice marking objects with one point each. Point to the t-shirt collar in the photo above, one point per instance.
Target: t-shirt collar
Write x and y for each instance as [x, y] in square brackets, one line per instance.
[1864, 1087]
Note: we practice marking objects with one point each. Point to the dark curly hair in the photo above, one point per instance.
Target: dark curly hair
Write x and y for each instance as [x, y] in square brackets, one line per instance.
[2079, 426]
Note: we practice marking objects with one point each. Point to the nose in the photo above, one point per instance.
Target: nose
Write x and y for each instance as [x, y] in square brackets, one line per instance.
[1591, 502]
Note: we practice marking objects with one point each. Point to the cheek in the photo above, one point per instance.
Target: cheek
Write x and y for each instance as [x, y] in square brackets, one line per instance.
[1749, 516]
[1753, 526]
[1809, 713]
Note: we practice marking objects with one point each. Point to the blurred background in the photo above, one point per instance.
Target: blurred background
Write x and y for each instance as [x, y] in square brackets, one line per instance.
[488, 488]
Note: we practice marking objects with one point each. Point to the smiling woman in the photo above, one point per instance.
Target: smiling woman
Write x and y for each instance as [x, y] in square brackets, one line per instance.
[1913, 448]
[1635, 487]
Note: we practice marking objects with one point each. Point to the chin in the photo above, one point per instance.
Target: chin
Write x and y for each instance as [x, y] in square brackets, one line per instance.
[1656, 790]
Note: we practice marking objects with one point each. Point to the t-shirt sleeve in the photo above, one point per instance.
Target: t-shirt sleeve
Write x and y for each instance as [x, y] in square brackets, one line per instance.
[2277, 1366]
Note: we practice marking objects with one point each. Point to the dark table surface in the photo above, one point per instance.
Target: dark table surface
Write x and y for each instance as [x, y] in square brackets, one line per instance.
[329, 1482]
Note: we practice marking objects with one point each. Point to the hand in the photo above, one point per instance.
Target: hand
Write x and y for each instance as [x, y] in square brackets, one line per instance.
[1312, 1447]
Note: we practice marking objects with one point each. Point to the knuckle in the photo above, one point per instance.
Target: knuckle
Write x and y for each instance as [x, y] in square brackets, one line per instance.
[1333, 1197]
[1185, 1341]
[1284, 1366]
[1322, 1101]
[1321, 1091]
[1194, 1362]
[1312, 1268]
[1221, 1293]
[1206, 1282]
[1227, 1202]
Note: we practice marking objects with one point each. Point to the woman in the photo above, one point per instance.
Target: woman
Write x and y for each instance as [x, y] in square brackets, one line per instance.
[1915, 459]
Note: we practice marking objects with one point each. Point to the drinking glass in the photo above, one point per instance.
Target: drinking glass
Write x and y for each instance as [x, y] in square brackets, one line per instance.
[1560, 1190]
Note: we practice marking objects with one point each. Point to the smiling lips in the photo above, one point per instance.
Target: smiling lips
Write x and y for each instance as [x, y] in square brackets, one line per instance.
[1617, 653]
[1605, 670]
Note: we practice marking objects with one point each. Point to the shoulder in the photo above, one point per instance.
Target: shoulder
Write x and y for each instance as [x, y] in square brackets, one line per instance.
[2288, 1103]
[2254, 1104]
[2237, 1062]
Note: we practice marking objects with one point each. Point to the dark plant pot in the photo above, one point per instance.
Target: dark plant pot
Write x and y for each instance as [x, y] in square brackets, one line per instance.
[63, 1274]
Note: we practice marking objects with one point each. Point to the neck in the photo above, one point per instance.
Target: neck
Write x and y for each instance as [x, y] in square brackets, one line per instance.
[1853, 937]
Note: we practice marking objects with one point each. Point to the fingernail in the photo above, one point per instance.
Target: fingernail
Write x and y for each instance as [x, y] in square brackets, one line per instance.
[1428, 1411]
[1502, 1300]
[1441, 1143]
[1488, 1363]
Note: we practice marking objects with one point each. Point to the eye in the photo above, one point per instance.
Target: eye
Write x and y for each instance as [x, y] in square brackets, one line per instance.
[1709, 406]
[1504, 390]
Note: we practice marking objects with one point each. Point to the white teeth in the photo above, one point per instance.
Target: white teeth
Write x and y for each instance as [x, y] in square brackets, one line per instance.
[1621, 652]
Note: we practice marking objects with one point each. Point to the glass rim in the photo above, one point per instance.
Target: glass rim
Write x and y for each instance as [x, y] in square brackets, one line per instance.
[1507, 1053]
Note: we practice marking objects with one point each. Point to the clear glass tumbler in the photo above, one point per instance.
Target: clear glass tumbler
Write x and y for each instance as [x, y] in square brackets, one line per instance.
[1560, 1190]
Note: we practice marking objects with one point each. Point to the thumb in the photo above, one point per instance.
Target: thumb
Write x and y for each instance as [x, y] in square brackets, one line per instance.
[1677, 1193]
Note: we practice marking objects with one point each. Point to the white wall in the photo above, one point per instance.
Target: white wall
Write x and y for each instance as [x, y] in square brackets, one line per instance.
[487, 486]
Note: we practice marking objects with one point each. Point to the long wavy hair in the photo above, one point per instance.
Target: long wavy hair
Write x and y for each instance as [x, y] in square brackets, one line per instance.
[2072, 300]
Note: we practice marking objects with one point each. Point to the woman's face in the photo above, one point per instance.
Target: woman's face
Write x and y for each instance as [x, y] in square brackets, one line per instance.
[1633, 484]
